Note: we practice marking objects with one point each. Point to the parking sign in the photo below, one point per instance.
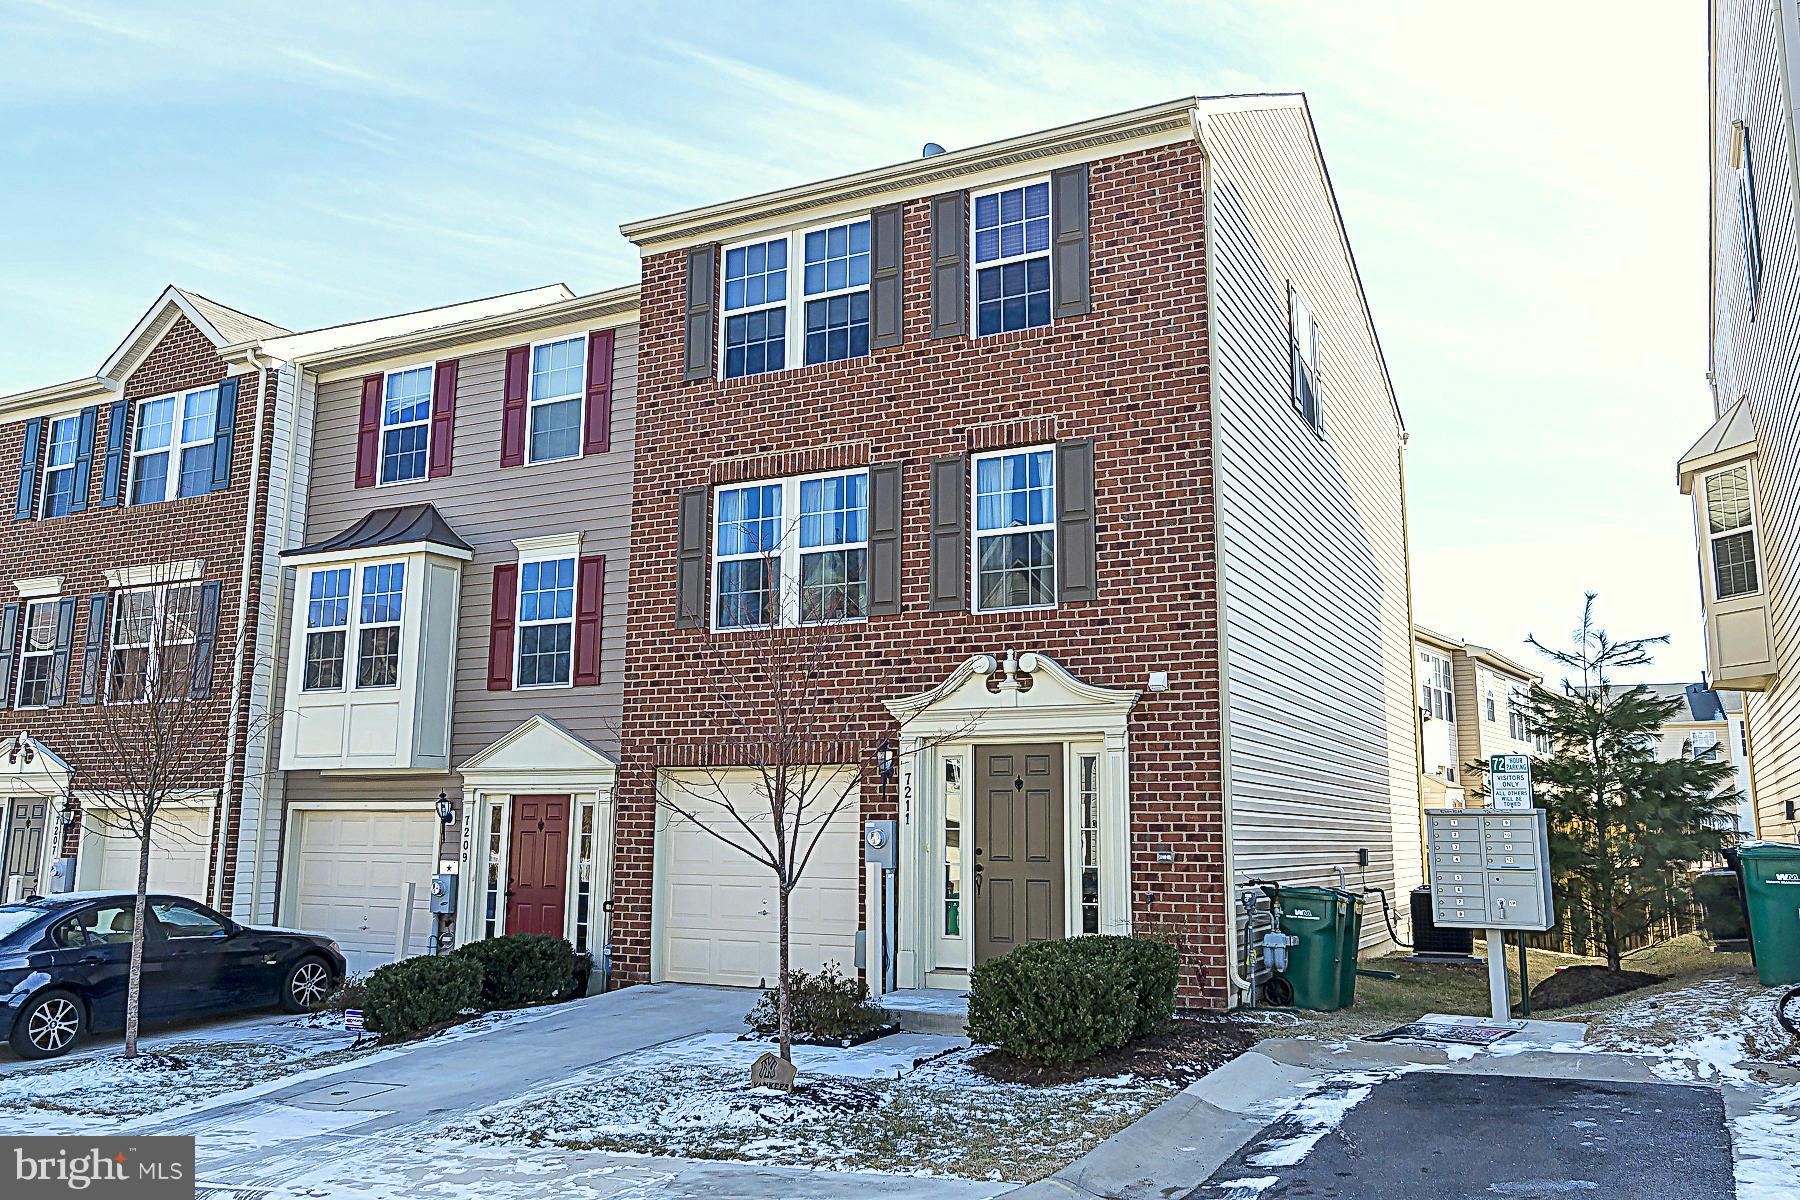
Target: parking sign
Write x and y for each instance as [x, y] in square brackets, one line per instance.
[1509, 782]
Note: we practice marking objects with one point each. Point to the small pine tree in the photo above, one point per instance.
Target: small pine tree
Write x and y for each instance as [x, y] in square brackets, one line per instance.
[1625, 825]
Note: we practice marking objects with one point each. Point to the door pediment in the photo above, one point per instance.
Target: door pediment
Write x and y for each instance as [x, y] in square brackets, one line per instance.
[1029, 689]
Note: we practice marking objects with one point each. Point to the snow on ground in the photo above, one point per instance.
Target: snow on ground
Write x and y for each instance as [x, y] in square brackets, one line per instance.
[1301, 1121]
[909, 1104]
[1766, 1147]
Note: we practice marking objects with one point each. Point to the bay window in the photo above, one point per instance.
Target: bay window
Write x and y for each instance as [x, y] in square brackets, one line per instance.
[378, 625]
[327, 629]
[1731, 532]
[1437, 697]
[1015, 530]
[771, 567]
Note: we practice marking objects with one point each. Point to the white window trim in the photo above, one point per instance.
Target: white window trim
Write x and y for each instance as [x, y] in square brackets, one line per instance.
[579, 396]
[175, 448]
[1299, 312]
[794, 304]
[353, 643]
[1429, 660]
[152, 648]
[387, 378]
[788, 552]
[307, 630]
[975, 268]
[976, 533]
[573, 558]
[45, 470]
[1752, 527]
[51, 603]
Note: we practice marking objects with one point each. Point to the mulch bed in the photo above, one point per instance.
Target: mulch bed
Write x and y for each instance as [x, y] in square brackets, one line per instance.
[1189, 1049]
[1583, 985]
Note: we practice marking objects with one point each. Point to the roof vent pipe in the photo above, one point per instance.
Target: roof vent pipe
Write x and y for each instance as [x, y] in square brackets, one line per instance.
[931, 149]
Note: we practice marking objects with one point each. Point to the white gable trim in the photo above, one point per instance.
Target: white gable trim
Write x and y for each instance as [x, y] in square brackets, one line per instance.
[1055, 703]
[540, 755]
[149, 330]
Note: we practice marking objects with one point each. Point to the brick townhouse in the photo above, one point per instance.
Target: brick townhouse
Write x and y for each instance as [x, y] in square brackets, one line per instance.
[1084, 444]
[138, 498]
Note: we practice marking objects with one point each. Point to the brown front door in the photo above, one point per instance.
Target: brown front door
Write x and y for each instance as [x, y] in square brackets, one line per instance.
[1018, 847]
[22, 848]
[537, 877]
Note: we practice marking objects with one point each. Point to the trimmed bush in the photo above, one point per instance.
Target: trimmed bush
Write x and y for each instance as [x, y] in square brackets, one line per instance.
[1060, 1003]
[824, 1007]
[416, 994]
[521, 968]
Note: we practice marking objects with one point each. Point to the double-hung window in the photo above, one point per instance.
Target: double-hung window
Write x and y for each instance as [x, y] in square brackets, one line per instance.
[1731, 532]
[756, 308]
[172, 451]
[792, 551]
[1749, 227]
[1015, 530]
[546, 623]
[405, 424]
[558, 371]
[1303, 360]
[60, 451]
[1518, 716]
[1436, 696]
[154, 631]
[837, 292]
[35, 654]
[1012, 258]
[327, 629]
[378, 625]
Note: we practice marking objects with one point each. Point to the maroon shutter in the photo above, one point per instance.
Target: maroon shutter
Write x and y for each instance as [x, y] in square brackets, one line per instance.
[368, 432]
[599, 393]
[512, 414]
[590, 604]
[501, 622]
[443, 417]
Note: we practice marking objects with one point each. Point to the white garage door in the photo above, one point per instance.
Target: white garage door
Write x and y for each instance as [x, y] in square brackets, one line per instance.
[717, 907]
[179, 848]
[350, 875]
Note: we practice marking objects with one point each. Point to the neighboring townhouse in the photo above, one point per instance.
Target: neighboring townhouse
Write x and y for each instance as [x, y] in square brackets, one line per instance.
[1472, 706]
[1708, 721]
[139, 494]
[453, 617]
[1743, 472]
[1086, 439]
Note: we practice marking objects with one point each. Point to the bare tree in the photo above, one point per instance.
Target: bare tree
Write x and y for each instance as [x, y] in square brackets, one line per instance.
[160, 729]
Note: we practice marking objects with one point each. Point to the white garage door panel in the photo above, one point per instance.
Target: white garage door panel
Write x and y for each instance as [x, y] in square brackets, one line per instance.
[351, 870]
[179, 848]
[717, 909]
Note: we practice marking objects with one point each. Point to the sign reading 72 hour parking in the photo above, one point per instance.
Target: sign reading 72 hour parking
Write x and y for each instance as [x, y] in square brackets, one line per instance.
[1509, 782]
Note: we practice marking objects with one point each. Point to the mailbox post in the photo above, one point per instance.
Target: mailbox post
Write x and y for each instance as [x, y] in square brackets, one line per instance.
[1490, 869]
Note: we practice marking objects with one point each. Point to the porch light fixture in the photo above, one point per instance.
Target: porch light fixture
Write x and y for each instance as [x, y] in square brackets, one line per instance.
[446, 814]
[884, 760]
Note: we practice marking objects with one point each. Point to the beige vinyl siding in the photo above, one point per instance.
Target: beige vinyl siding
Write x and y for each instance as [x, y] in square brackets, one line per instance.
[490, 507]
[1478, 737]
[1760, 359]
[1321, 711]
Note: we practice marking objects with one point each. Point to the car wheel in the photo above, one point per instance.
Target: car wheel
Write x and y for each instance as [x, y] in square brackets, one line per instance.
[307, 986]
[48, 1025]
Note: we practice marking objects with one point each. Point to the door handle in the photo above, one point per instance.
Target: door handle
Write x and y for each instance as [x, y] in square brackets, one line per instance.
[91, 960]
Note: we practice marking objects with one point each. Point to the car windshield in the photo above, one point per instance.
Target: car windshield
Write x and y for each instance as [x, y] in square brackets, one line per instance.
[14, 917]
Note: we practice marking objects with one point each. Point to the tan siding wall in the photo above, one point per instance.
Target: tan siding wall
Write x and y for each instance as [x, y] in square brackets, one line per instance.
[1760, 359]
[1321, 712]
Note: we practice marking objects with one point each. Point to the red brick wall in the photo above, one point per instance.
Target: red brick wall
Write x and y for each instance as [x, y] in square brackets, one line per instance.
[1133, 375]
[82, 547]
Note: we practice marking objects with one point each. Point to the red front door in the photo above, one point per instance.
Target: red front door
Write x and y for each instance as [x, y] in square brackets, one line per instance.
[537, 877]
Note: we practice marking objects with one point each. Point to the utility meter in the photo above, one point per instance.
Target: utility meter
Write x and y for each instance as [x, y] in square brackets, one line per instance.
[879, 848]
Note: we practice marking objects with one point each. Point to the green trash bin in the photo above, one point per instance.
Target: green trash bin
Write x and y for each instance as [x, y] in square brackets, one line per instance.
[1771, 872]
[1322, 965]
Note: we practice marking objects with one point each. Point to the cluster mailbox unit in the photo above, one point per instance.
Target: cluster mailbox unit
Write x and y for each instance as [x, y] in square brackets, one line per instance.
[1491, 870]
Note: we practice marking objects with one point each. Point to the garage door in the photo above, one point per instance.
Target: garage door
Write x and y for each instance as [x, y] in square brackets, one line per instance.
[717, 906]
[350, 875]
[179, 846]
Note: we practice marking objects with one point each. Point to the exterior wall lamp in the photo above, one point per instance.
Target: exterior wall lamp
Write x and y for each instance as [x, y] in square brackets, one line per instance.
[445, 813]
[885, 760]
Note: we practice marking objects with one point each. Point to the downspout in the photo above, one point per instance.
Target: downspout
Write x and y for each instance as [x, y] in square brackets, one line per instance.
[232, 729]
[1238, 984]
[1412, 668]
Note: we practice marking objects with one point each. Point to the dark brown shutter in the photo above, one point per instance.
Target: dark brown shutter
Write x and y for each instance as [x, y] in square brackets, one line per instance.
[949, 265]
[598, 438]
[590, 608]
[512, 414]
[884, 540]
[9, 650]
[1075, 520]
[206, 639]
[368, 432]
[59, 658]
[1069, 241]
[502, 618]
[93, 649]
[443, 418]
[690, 560]
[702, 272]
[887, 315]
[949, 535]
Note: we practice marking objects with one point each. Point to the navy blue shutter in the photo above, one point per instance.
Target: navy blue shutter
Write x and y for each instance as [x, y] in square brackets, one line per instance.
[221, 476]
[93, 649]
[84, 457]
[206, 636]
[28, 470]
[59, 660]
[9, 647]
[112, 476]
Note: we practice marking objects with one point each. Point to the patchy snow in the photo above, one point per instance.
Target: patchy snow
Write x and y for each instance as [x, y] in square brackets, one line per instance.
[1766, 1147]
[1315, 1113]
[1247, 1188]
[909, 1104]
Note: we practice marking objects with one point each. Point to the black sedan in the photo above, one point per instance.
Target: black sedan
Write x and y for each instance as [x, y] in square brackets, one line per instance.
[65, 966]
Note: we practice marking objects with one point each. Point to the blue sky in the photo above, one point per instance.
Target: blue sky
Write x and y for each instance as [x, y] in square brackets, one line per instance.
[1524, 186]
